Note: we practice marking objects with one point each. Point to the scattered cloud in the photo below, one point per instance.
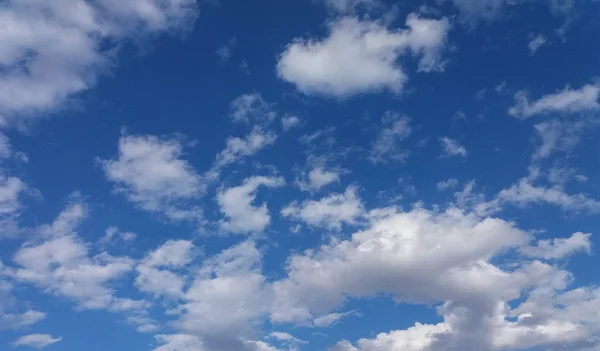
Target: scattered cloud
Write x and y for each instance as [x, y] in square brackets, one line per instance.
[556, 135]
[451, 147]
[224, 51]
[329, 319]
[318, 178]
[362, 56]
[20, 320]
[537, 42]
[350, 6]
[565, 101]
[475, 10]
[289, 122]
[37, 341]
[559, 248]
[251, 108]
[113, 234]
[236, 203]
[387, 147]
[238, 148]
[524, 193]
[11, 191]
[450, 183]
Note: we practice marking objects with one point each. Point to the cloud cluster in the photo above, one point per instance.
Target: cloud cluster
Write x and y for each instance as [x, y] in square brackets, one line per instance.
[54, 50]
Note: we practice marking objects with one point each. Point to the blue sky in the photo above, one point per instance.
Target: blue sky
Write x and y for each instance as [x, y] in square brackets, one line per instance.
[345, 175]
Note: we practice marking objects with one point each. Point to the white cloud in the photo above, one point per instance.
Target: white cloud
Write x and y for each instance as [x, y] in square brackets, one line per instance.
[287, 339]
[113, 234]
[417, 338]
[150, 172]
[20, 320]
[237, 205]
[451, 147]
[350, 6]
[127, 304]
[224, 51]
[282, 336]
[362, 56]
[559, 248]
[537, 42]
[60, 264]
[329, 319]
[565, 101]
[427, 257]
[179, 342]
[238, 148]
[37, 341]
[251, 108]
[447, 184]
[11, 191]
[318, 178]
[289, 122]
[226, 301]
[329, 212]
[161, 282]
[57, 49]
[387, 146]
[556, 135]
[415, 256]
[473, 10]
[524, 193]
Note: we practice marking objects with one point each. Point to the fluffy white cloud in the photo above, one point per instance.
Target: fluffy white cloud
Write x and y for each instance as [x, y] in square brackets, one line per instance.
[237, 148]
[416, 256]
[37, 341]
[236, 204]
[428, 257]
[565, 101]
[150, 172]
[451, 147]
[329, 212]
[417, 338]
[362, 56]
[387, 146]
[226, 301]
[59, 263]
[318, 178]
[153, 278]
[56, 49]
